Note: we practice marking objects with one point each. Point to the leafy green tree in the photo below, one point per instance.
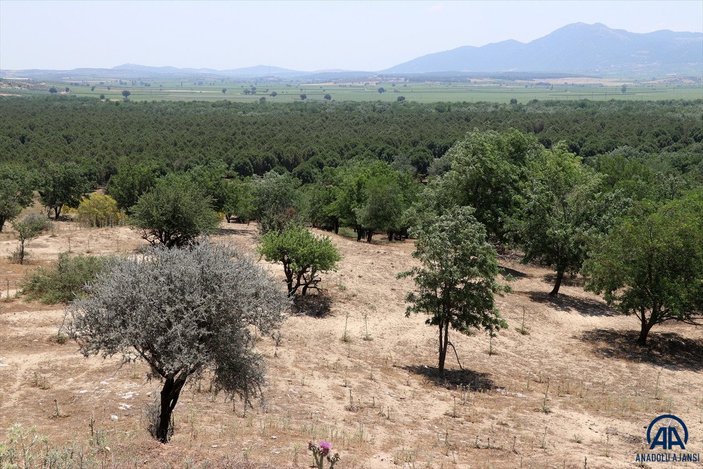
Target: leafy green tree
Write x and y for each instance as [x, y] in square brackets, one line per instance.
[303, 255]
[328, 97]
[189, 313]
[211, 181]
[174, 213]
[131, 182]
[275, 201]
[62, 185]
[16, 184]
[487, 169]
[239, 200]
[27, 229]
[65, 281]
[53, 90]
[126, 94]
[457, 278]
[651, 265]
[555, 226]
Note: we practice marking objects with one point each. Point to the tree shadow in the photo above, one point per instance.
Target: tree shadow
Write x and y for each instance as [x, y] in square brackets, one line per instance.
[233, 232]
[565, 302]
[317, 306]
[469, 379]
[568, 280]
[667, 349]
[507, 271]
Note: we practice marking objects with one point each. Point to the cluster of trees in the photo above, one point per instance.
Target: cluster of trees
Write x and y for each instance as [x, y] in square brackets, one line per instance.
[251, 139]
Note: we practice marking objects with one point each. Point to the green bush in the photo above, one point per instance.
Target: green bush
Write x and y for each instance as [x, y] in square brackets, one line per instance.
[65, 281]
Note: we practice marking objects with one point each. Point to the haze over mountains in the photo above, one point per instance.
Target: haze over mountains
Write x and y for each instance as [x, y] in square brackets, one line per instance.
[575, 49]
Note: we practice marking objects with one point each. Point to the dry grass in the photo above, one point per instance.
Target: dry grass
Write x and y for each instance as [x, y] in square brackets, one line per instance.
[571, 388]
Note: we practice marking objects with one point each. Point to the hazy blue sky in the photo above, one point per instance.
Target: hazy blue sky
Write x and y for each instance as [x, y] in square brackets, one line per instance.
[299, 35]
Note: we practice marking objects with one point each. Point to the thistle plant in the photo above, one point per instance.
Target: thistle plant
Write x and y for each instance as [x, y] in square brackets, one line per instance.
[321, 453]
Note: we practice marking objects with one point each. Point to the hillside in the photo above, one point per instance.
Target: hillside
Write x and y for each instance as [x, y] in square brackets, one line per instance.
[571, 387]
[578, 49]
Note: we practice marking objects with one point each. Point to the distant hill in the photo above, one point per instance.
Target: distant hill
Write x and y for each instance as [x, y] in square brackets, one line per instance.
[591, 49]
[576, 49]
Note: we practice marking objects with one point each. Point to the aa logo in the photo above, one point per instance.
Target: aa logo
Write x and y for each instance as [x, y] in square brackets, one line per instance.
[667, 431]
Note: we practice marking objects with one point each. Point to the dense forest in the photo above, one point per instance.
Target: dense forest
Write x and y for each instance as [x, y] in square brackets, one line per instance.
[305, 137]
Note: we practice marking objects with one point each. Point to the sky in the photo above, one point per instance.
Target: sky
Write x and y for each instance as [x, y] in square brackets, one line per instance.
[323, 35]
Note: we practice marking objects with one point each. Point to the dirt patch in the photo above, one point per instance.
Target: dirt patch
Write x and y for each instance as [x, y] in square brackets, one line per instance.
[356, 371]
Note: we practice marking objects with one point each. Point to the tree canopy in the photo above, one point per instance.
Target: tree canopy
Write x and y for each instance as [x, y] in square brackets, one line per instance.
[184, 312]
[651, 265]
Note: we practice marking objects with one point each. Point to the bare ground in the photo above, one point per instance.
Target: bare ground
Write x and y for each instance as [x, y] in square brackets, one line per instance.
[569, 389]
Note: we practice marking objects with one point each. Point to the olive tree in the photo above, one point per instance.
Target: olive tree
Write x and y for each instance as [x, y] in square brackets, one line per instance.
[302, 254]
[651, 265]
[457, 278]
[62, 185]
[174, 213]
[184, 312]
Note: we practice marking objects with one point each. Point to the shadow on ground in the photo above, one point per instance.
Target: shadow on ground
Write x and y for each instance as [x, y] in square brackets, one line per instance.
[568, 280]
[565, 302]
[454, 378]
[666, 349]
[231, 230]
[508, 272]
[317, 306]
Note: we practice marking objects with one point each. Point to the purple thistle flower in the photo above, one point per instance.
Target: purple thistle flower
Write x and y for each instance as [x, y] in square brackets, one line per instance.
[325, 446]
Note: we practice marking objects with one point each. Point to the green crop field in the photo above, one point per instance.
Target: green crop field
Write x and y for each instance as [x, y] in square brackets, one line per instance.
[490, 91]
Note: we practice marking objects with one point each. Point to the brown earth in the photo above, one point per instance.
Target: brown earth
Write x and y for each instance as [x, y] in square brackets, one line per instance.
[571, 390]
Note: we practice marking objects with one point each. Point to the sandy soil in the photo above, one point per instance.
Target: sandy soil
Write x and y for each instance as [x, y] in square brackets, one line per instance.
[570, 390]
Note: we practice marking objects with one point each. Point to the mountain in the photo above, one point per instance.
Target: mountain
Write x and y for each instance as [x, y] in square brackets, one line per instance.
[579, 48]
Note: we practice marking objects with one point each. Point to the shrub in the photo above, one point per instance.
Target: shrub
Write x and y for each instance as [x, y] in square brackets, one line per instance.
[303, 255]
[65, 281]
[98, 210]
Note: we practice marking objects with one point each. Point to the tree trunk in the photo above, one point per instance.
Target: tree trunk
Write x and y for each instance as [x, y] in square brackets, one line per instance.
[390, 236]
[20, 253]
[2, 223]
[57, 212]
[359, 234]
[557, 285]
[369, 235]
[169, 397]
[336, 227]
[644, 331]
[443, 344]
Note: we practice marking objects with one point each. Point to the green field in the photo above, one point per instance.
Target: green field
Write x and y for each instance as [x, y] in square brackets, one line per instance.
[499, 92]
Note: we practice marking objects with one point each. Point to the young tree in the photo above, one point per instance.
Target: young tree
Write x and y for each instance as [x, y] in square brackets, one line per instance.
[303, 255]
[63, 185]
[457, 279]
[16, 186]
[651, 265]
[238, 201]
[556, 224]
[174, 212]
[27, 229]
[183, 311]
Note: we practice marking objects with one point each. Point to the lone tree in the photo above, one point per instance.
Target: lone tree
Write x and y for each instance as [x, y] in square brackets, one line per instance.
[174, 212]
[183, 311]
[651, 265]
[16, 186]
[126, 94]
[457, 279]
[302, 254]
[27, 229]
